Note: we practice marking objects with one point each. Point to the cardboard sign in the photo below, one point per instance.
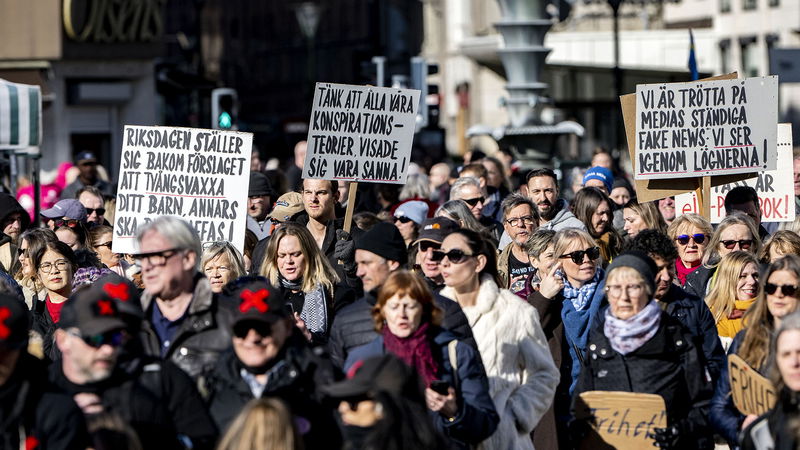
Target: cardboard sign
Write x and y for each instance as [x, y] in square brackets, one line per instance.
[360, 133]
[706, 128]
[620, 419]
[649, 190]
[752, 393]
[199, 175]
[775, 188]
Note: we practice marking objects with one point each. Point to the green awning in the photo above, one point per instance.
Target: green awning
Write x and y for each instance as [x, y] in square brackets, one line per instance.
[20, 115]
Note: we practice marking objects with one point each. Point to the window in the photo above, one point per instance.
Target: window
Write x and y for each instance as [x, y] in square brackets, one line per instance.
[748, 4]
[749, 53]
[774, 3]
[771, 40]
[725, 56]
[724, 6]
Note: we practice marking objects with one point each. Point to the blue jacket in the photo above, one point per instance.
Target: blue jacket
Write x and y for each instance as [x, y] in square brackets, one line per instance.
[477, 418]
[724, 417]
[577, 325]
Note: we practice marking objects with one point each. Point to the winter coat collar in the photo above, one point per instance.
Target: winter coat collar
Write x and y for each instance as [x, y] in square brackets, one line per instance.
[487, 295]
[202, 297]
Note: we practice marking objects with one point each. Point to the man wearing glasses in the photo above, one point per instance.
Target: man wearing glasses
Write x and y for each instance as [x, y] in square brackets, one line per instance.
[92, 199]
[184, 322]
[157, 399]
[519, 220]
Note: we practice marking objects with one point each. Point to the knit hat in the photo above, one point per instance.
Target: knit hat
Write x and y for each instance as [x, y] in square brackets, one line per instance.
[600, 173]
[385, 240]
[287, 206]
[638, 261]
[414, 210]
[69, 208]
[436, 229]
[259, 185]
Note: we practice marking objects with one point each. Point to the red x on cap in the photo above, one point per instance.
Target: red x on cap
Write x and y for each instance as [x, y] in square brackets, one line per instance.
[14, 322]
[92, 311]
[257, 300]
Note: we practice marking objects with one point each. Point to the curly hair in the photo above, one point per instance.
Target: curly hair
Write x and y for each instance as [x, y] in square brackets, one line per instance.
[656, 243]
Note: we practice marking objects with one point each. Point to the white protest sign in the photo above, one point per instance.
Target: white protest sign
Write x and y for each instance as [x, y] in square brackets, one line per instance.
[775, 188]
[360, 133]
[705, 128]
[199, 175]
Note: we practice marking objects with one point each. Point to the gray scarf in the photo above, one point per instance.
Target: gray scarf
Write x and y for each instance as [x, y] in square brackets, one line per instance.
[315, 309]
[628, 335]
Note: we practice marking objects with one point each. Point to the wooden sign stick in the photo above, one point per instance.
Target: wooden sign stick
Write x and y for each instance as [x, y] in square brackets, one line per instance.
[703, 193]
[351, 204]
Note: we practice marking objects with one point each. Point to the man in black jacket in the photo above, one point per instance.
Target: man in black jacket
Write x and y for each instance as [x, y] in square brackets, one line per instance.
[157, 399]
[270, 358]
[32, 413]
[380, 251]
[691, 311]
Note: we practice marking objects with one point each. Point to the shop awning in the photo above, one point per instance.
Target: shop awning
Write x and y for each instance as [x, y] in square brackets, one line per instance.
[20, 115]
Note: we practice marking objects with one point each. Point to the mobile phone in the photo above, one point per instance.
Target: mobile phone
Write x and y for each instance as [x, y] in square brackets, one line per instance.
[288, 308]
[440, 387]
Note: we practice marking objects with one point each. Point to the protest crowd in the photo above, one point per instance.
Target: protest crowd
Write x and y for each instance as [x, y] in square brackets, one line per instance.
[467, 308]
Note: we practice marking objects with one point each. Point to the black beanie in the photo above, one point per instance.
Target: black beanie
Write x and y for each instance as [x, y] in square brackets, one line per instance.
[385, 240]
[638, 261]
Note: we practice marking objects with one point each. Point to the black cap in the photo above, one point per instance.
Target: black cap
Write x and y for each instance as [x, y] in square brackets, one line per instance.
[372, 375]
[14, 322]
[255, 299]
[259, 185]
[85, 157]
[122, 291]
[640, 262]
[93, 311]
[436, 229]
[385, 240]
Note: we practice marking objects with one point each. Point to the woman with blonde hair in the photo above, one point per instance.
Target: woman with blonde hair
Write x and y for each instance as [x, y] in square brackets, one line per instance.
[294, 264]
[777, 300]
[690, 233]
[642, 216]
[263, 424]
[221, 263]
[736, 232]
[778, 245]
[733, 293]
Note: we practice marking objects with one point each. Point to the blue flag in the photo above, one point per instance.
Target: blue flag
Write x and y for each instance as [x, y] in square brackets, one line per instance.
[692, 60]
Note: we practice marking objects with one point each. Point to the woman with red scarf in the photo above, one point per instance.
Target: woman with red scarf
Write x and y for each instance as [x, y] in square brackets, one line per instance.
[456, 387]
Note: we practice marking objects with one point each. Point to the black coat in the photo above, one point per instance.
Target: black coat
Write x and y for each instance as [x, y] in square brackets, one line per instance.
[697, 281]
[157, 399]
[353, 326]
[31, 405]
[343, 295]
[43, 324]
[668, 365]
[774, 429]
[723, 415]
[295, 378]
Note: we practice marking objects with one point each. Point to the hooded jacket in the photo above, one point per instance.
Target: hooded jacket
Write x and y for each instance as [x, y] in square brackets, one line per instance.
[513, 347]
[563, 218]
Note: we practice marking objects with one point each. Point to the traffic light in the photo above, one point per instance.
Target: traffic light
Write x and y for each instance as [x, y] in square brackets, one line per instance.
[420, 69]
[224, 109]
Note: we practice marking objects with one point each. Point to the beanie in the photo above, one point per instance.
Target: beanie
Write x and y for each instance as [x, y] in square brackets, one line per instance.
[638, 261]
[602, 174]
[385, 240]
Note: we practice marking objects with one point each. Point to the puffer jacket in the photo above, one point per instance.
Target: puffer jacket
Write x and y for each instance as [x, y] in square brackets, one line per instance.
[353, 326]
[299, 371]
[204, 333]
[668, 365]
[477, 418]
[513, 347]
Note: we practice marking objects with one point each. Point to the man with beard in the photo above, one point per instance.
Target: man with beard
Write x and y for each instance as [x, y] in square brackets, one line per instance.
[431, 236]
[270, 358]
[259, 203]
[158, 400]
[519, 220]
[691, 311]
[13, 221]
[554, 213]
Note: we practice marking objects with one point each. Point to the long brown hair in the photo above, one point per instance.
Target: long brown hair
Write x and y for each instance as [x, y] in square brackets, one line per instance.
[400, 283]
[758, 322]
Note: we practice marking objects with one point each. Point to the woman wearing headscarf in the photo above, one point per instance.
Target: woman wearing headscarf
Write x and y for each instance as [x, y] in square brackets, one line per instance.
[636, 347]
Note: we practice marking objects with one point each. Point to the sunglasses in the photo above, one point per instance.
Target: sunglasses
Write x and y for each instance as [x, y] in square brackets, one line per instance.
[242, 329]
[402, 219]
[72, 223]
[20, 251]
[577, 256]
[744, 244]
[698, 238]
[104, 244]
[99, 211]
[112, 338]
[786, 289]
[424, 246]
[474, 201]
[455, 256]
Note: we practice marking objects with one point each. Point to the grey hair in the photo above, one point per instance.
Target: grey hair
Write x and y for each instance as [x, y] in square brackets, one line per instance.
[458, 211]
[461, 183]
[224, 248]
[539, 241]
[177, 231]
[517, 199]
[417, 186]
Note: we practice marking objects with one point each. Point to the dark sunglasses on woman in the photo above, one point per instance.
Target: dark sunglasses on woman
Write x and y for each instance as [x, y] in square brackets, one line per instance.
[71, 223]
[698, 238]
[455, 256]
[744, 244]
[577, 256]
[402, 219]
[786, 289]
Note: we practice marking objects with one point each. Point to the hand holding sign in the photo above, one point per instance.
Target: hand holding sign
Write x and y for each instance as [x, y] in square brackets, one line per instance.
[751, 392]
[620, 419]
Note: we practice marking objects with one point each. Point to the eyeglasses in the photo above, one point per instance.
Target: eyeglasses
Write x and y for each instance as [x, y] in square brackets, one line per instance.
[219, 269]
[402, 219]
[455, 256]
[60, 265]
[474, 201]
[156, 258]
[521, 221]
[698, 238]
[113, 338]
[72, 223]
[744, 244]
[424, 246]
[786, 289]
[99, 211]
[104, 244]
[632, 290]
[577, 256]
[242, 329]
